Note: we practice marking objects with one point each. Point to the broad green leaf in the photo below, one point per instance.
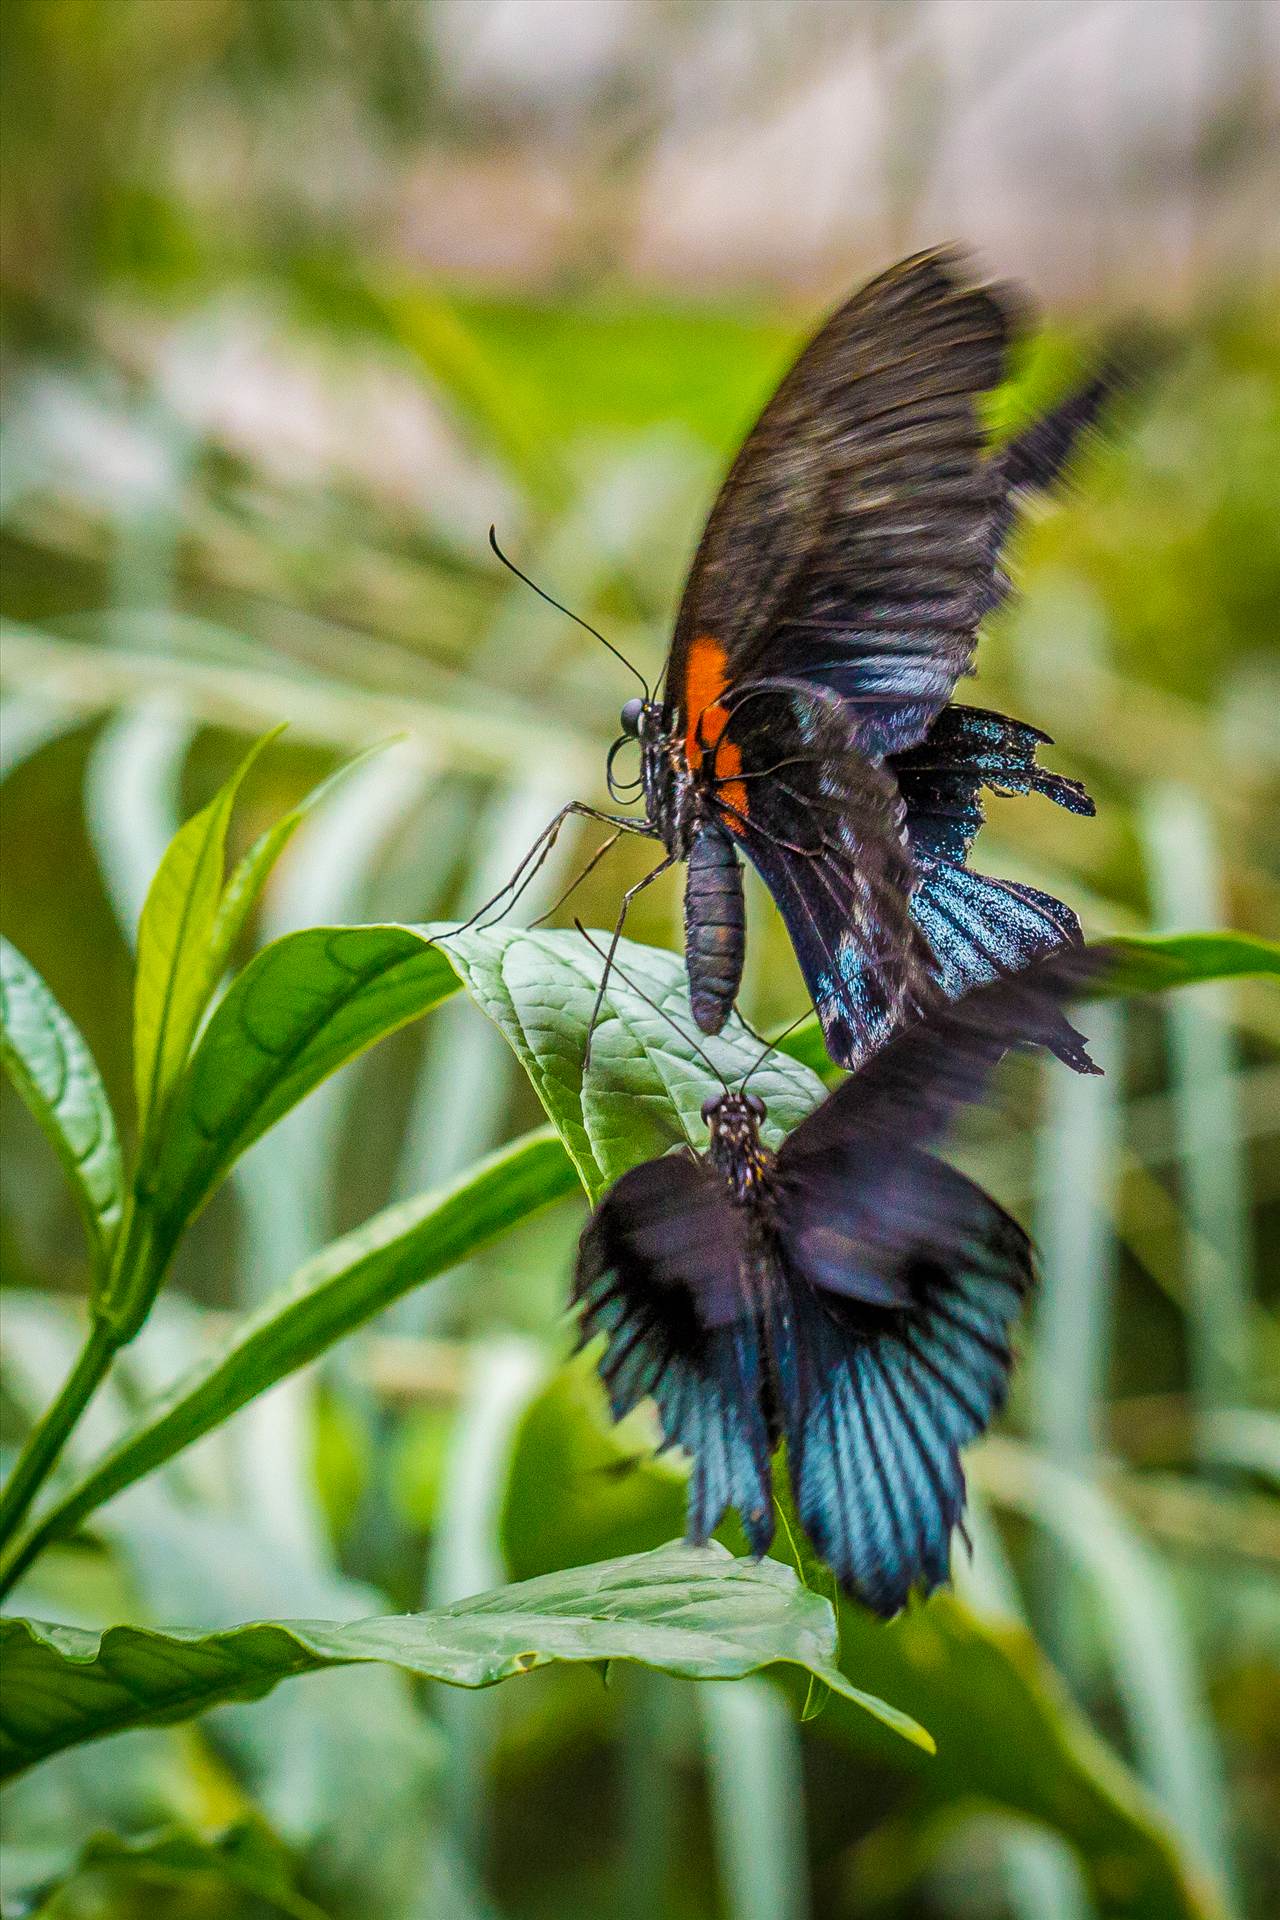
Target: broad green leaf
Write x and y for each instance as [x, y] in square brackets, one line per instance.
[54, 1072]
[176, 973]
[1008, 1736]
[249, 875]
[301, 1008]
[648, 1076]
[334, 1293]
[1150, 963]
[696, 1613]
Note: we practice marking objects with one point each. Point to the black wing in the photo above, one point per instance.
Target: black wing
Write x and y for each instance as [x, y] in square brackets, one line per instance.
[876, 1401]
[910, 1090]
[662, 1273]
[850, 545]
[1036, 459]
[824, 828]
[891, 1341]
[979, 927]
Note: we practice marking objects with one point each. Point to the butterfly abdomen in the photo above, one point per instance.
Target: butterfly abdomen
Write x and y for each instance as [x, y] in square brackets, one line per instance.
[715, 926]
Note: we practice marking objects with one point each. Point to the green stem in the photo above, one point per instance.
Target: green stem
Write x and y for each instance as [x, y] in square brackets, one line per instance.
[48, 1437]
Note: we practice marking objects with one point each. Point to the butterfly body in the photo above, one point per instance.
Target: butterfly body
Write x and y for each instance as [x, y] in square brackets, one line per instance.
[681, 810]
[715, 926]
[736, 1151]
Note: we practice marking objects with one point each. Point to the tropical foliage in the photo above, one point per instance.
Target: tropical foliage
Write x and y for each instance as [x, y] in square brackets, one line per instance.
[290, 1189]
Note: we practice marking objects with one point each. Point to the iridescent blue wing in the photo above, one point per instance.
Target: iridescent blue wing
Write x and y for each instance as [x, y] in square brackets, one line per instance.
[890, 1337]
[877, 1400]
[977, 926]
[662, 1274]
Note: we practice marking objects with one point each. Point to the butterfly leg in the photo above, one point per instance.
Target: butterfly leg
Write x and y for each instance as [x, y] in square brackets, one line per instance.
[538, 853]
[627, 898]
[577, 881]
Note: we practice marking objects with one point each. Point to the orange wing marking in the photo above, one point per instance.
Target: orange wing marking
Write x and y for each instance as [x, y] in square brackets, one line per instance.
[705, 721]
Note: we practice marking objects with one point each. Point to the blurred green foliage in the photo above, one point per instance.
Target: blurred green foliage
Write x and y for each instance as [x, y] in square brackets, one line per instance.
[255, 434]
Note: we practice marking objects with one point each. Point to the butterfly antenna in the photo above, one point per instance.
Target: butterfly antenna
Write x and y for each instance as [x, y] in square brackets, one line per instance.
[561, 608]
[660, 1011]
[770, 1046]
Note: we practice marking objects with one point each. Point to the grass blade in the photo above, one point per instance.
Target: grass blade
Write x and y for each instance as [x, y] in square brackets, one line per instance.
[757, 1802]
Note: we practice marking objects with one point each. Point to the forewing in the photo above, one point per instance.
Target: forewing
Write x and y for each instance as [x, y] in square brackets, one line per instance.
[876, 1401]
[850, 545]
[661, 1273]
[823, 826]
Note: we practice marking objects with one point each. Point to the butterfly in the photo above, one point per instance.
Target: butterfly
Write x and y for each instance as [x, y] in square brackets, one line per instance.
[851, 1294]
[832, 606]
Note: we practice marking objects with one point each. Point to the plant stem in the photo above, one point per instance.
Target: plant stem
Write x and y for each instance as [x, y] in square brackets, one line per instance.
[48, 1437]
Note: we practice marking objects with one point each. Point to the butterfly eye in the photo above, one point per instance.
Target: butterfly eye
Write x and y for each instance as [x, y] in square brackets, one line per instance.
[756, 1105]
[709, 1107]
[630, 718]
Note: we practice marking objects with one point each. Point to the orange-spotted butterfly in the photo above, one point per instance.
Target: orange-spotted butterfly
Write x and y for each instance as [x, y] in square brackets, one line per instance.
[832, 606]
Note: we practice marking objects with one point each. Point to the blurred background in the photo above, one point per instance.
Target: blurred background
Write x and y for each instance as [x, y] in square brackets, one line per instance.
[300, 295]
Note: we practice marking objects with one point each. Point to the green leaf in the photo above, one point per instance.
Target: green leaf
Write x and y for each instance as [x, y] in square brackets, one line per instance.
[1150, 963]
[648, 1079]
[1154, 963]
[334, 1293]
[806, 1044]
[249, 876]
[301, 1008]
[53, 1070]
[176, 972]
[696, 1613]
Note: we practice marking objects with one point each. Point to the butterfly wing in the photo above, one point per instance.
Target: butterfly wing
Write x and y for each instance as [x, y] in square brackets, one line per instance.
[882, 1379]
[1036, 459]
[977, 926]
[662, 1273]
[849, 546]
[824, 827]
[913, 1087]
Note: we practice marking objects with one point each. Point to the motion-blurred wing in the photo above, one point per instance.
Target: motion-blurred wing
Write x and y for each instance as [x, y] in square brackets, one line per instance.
[1035, 461]
[850, 545]
[909, 1091]
[824, 828]
[877, 1400]
[662, 1273]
